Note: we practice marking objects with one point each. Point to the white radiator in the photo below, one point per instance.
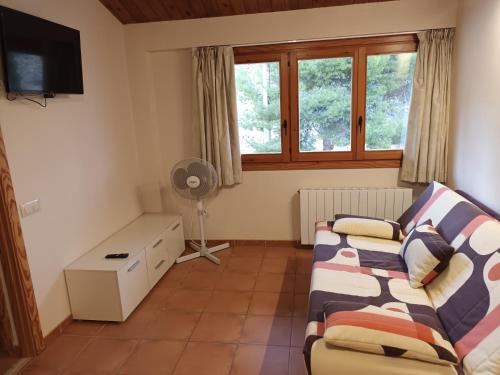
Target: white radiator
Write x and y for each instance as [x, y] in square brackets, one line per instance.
[321, 204]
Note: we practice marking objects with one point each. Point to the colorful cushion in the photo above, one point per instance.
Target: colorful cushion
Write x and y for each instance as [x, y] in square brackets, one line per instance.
[390, 332]
[367, 226]
[426, 254]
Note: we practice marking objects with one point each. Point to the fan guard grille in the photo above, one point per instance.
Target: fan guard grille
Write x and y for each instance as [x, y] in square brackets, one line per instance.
[194, 178]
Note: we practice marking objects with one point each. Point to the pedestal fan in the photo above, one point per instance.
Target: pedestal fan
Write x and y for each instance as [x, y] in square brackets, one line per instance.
[196, 179]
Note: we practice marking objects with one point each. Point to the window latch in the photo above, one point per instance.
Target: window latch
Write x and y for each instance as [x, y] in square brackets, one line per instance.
[360, 123]
[285, 126]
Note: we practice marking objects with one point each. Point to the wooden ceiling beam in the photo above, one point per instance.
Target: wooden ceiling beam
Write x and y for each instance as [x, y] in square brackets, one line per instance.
[116, 8]
[137, 11]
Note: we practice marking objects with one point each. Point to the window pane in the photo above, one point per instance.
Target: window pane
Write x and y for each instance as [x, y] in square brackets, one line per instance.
[388, 92]
[259, 117]
[325, 95]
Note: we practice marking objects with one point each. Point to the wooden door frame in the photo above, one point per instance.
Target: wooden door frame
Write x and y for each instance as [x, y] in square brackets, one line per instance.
[16, 270]
[6, 334]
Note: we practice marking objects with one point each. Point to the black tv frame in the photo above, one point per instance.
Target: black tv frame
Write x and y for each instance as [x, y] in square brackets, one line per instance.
[46, 94]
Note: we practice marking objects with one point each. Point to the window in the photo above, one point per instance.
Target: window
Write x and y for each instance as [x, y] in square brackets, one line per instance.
[259, 112]
[328, 104]
[388, 92]
[325, 104]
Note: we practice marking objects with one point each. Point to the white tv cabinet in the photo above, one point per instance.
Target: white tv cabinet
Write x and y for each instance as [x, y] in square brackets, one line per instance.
[110, 289]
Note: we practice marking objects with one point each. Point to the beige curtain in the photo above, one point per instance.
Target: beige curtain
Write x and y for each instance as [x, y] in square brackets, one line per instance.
[215, 111]
[426, 151]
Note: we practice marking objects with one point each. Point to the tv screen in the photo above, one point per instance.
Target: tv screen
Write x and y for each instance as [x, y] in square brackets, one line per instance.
[39, 56]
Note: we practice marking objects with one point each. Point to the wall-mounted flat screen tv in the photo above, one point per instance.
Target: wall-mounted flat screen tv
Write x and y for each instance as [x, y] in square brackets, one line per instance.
[39, 56]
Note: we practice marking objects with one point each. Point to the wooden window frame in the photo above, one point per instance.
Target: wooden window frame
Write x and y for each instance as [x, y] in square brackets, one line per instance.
[288, 55]
[335, 52]
[282, 59]
[364, 52]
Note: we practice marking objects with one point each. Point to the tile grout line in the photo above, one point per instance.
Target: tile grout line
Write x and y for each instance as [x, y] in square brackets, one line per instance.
[289, 360]
[132, 351]
[234, 357]
[63, 369]
[91, 339]
[179, 358]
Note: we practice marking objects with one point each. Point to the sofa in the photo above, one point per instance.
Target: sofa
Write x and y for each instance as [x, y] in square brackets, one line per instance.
[462, 301]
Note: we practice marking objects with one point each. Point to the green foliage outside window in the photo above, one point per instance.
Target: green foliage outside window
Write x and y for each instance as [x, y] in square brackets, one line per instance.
[258, 87]
[325, 87]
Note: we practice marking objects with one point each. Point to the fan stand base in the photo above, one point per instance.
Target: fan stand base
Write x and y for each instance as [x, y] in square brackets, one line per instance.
[203, 251]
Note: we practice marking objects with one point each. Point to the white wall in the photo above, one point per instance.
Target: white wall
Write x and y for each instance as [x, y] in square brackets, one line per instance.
[81, 155]
[78, 155]
[475, 129]
[265, 206]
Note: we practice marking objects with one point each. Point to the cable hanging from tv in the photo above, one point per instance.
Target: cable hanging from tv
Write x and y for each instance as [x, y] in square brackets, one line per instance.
[25, 97]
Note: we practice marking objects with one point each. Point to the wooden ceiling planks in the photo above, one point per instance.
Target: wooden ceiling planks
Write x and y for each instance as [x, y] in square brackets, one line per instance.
[136, 11]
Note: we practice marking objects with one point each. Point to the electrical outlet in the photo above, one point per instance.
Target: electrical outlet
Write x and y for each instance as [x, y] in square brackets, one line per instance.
[29, 208]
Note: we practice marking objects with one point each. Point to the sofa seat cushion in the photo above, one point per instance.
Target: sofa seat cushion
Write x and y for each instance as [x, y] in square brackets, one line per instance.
[359, 270]
[426, 254]
[387, 331]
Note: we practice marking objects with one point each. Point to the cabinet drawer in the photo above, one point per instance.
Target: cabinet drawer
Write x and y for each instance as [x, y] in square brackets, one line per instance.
[157, 258]
[133, 284]
[175, 240]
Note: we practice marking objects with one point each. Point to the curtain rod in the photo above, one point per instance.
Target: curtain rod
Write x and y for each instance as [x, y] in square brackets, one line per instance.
[298, 40]
[319, 39]
[309, 40]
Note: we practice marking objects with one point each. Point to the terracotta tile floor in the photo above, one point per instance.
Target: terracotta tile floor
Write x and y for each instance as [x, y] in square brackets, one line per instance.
[244, 317]
[6, 362]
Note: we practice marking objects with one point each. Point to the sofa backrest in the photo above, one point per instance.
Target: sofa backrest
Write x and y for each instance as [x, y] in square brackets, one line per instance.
[467, 294]
[486, 209]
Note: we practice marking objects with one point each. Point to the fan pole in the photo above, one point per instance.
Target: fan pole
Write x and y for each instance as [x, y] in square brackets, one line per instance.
[202, 250]
[201, 221]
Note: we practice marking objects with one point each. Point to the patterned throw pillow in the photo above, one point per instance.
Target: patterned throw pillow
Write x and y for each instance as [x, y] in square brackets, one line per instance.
[367, 226]
[425, 253]
[386, 331]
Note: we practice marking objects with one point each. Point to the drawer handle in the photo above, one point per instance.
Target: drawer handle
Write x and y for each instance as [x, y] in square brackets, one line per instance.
[159, 264]
[177, 226]
[133, 266]
[157, 243]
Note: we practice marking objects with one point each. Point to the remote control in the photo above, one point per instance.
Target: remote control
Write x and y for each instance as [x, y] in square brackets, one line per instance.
[117, 256]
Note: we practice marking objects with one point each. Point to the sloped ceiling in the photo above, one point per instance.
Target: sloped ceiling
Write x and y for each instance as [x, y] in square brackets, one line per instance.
[136, 11]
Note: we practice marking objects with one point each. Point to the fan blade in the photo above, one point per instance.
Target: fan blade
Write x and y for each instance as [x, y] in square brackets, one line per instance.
[201, 190]
[180, 178]
[198, 169]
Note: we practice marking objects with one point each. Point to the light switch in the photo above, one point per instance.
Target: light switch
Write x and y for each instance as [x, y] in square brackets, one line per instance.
[31, 207]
